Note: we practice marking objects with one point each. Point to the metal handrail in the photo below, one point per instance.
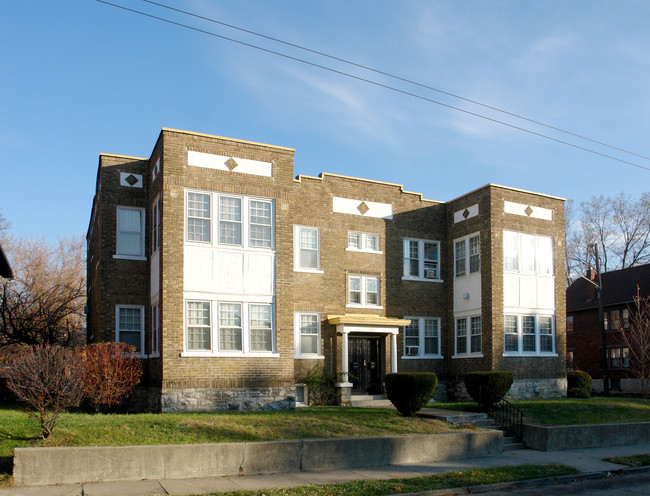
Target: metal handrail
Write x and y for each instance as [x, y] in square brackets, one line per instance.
[504, 413]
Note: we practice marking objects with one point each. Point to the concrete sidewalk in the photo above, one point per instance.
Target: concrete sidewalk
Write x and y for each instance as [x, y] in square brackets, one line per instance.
[584, 460]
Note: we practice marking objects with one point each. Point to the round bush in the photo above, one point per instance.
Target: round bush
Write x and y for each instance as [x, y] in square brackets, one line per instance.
[410, 391]
[487, 387]
[578, 384]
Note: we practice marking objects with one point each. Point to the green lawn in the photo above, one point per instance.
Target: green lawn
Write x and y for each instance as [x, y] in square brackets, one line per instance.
[570, 411]
[632, 460]
[17, 429]
[428, 483]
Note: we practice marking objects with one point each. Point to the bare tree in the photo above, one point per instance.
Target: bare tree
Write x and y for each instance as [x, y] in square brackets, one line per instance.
[49, 379]
[44, 302]
[620, 225]
[637, 340]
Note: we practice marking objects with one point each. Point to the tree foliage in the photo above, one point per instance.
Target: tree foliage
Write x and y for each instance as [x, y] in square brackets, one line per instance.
[637, 340]
[48, 379]
[619, 225]
[43, 304]
[112, 371]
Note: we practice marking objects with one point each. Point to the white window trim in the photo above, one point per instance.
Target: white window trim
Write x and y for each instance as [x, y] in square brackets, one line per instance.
[362, 238]
[420, 277]
[468, 337]
[538, 240]
[421, 337]
[520, 335]
[465, 241]
[117, 326]
[155, 330]
[214, 331]
[296, 250]
[297, 335]
[363, 303]
[245, 222]
[155, 225]
[142, 231]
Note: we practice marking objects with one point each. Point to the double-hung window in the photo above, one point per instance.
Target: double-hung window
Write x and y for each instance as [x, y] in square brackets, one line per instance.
[306, 249]
[229, 328]
[527, 253]
[230, 221]
[469, 336]
[421, 259]
[307, 335]
[363, 291]
[619, 358]
[422, 337]
[260, 224]
[467, 255]
[130, 326]
[362, 241]
[198, 217]
[130, 232]
[528, 334]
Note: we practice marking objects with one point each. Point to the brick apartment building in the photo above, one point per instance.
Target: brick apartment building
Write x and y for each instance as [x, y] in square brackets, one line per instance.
[584, 341]
[233, 279]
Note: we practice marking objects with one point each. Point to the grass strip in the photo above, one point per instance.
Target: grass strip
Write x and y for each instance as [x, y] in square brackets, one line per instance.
[631, 461]
[444, 480]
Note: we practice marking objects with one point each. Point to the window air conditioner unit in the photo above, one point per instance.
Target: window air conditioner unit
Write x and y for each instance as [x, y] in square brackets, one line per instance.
[411, 351]
[430, 274]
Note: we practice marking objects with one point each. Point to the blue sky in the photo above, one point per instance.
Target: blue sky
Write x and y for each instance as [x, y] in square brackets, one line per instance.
[80, 78]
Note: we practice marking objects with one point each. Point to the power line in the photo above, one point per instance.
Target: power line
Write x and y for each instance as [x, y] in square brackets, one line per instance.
[375, 83]
[393, 76]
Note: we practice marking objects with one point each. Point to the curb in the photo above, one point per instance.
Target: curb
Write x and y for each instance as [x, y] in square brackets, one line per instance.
[561, 479]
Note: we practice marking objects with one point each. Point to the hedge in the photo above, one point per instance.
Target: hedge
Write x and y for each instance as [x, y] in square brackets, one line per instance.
[410, 391]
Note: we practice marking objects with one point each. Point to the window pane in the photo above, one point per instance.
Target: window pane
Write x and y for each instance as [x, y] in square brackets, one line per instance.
[198, 325]
[309, 248]
[131, 338]
[511, 333]
[460, 258]
[546, 334]
[229, 220]
[476, 334]
[129, 232]
[261, 328]
[308, 344]
[198, 217]
[474, 254]
[461, 336]
[230, 337]
[528, 253]
[354, 241]
[528, 328]
[309, 333]
[545, 255]
[355, 290]
[510, 251]
[431, 336]
[371, 242]
[372, 289]
[412, 338]
[411, 259]
[260, 224]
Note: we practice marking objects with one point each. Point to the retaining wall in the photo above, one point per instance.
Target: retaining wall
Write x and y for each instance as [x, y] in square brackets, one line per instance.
[46, 466]
[553, 438]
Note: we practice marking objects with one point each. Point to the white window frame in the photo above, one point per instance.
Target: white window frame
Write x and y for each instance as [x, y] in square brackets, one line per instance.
[422, 261]
[244, 221]
[155, 330]
[467, 256]
[528, 260]
[209, 218]
[468, 336]
[245, 323]
[363, 239]
[141, 353]
[537, 327]
[298, 336]
[297, 248]
[155, 225]
[129, 256]
[422, 337]
[363, 283]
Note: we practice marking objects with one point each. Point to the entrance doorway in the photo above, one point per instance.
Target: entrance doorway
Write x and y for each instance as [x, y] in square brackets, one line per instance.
[364, 355]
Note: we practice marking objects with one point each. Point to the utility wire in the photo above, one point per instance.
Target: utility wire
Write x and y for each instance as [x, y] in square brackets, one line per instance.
[399, 78]
[375, 83]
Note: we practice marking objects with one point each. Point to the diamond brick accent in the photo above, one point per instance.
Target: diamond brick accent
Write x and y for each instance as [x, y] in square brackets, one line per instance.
[231, 163]
[131, 179]
[363, 208]
[466, 214]
[528, 211]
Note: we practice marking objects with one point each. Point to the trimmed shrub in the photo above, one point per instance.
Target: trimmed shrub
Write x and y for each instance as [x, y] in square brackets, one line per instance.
[578, 384]
[322, 387]
[486, 387]
[410, 391]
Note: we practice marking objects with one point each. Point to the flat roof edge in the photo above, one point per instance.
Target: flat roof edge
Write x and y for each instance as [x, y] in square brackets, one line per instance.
[206, 135]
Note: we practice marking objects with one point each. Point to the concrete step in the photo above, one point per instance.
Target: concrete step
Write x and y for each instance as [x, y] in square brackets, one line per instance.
[370, 401]
[513, 446]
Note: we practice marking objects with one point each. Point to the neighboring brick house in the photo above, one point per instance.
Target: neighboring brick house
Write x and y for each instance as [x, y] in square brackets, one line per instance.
[584, 342]
[234, 279]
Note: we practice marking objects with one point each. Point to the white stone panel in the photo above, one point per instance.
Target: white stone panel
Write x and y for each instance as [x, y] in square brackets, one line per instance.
[258, 278]
[135, 180]
[467, 294]
[362, 208]
[466, 213]
[546, 293]
[527, 210]
[222, 162]
[155, 274]
[528, 292]
[230, 272]
[199, 269]
[511, 290]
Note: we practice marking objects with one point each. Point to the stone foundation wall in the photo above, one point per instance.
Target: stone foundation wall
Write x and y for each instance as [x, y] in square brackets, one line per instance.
[215, 399]
[522, 389]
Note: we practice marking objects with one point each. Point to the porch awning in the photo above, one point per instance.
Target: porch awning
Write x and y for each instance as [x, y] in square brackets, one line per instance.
[366, 322]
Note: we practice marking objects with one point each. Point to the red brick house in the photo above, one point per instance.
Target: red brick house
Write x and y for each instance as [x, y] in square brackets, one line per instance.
[584, 344]
[233, 278]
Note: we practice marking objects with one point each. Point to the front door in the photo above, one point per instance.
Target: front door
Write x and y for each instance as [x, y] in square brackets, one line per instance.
[364, 365]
